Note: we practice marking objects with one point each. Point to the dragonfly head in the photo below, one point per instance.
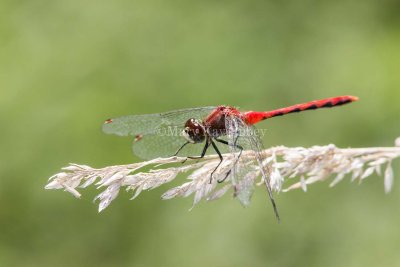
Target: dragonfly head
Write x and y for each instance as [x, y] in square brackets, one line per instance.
[194, 131]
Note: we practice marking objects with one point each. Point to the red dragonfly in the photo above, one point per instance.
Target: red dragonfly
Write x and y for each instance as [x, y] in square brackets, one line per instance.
[191, 132]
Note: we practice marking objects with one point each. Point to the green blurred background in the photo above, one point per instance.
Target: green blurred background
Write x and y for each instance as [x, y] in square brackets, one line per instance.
[65, 66]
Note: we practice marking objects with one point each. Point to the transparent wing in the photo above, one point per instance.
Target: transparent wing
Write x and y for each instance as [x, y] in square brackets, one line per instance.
[180, 116]
[243, 174]
[132, 125]
[257, 147]
[150, 123]
[243, 171]
[158, 135]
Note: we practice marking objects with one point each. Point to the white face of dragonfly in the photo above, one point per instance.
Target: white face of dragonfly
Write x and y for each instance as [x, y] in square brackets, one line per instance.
[185, 134]
[194, 131]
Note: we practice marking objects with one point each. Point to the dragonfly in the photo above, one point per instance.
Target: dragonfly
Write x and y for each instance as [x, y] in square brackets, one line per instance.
[192, 132]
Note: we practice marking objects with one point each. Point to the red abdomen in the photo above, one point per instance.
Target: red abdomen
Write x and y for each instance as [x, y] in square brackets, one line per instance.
[253, 117]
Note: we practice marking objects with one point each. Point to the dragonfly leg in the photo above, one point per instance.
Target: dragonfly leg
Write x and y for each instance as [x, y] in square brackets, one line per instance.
[220, 159]
[202, 153]
[237, 159]
[176, 153]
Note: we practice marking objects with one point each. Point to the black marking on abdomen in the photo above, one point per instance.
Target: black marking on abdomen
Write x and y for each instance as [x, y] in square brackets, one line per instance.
[328, 105]
[313, 106]
[345, 101]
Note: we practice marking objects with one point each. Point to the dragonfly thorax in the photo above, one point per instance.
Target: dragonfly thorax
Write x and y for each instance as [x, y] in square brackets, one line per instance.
[194, 131]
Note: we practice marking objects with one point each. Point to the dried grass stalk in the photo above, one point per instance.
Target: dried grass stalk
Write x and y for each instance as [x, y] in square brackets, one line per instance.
[303, 165]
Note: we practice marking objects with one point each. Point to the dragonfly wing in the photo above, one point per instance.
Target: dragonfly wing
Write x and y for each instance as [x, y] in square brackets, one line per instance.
[259, 154]
[180, 116]
[133, 125]
[158, 135]
[243, 172]
[151, 123]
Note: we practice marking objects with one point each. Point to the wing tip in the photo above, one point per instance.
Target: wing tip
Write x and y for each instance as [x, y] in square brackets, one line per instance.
[108, 127]
[138, 137]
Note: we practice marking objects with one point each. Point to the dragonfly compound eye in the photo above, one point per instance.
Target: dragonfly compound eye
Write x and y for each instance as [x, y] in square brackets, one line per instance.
[194, 131]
